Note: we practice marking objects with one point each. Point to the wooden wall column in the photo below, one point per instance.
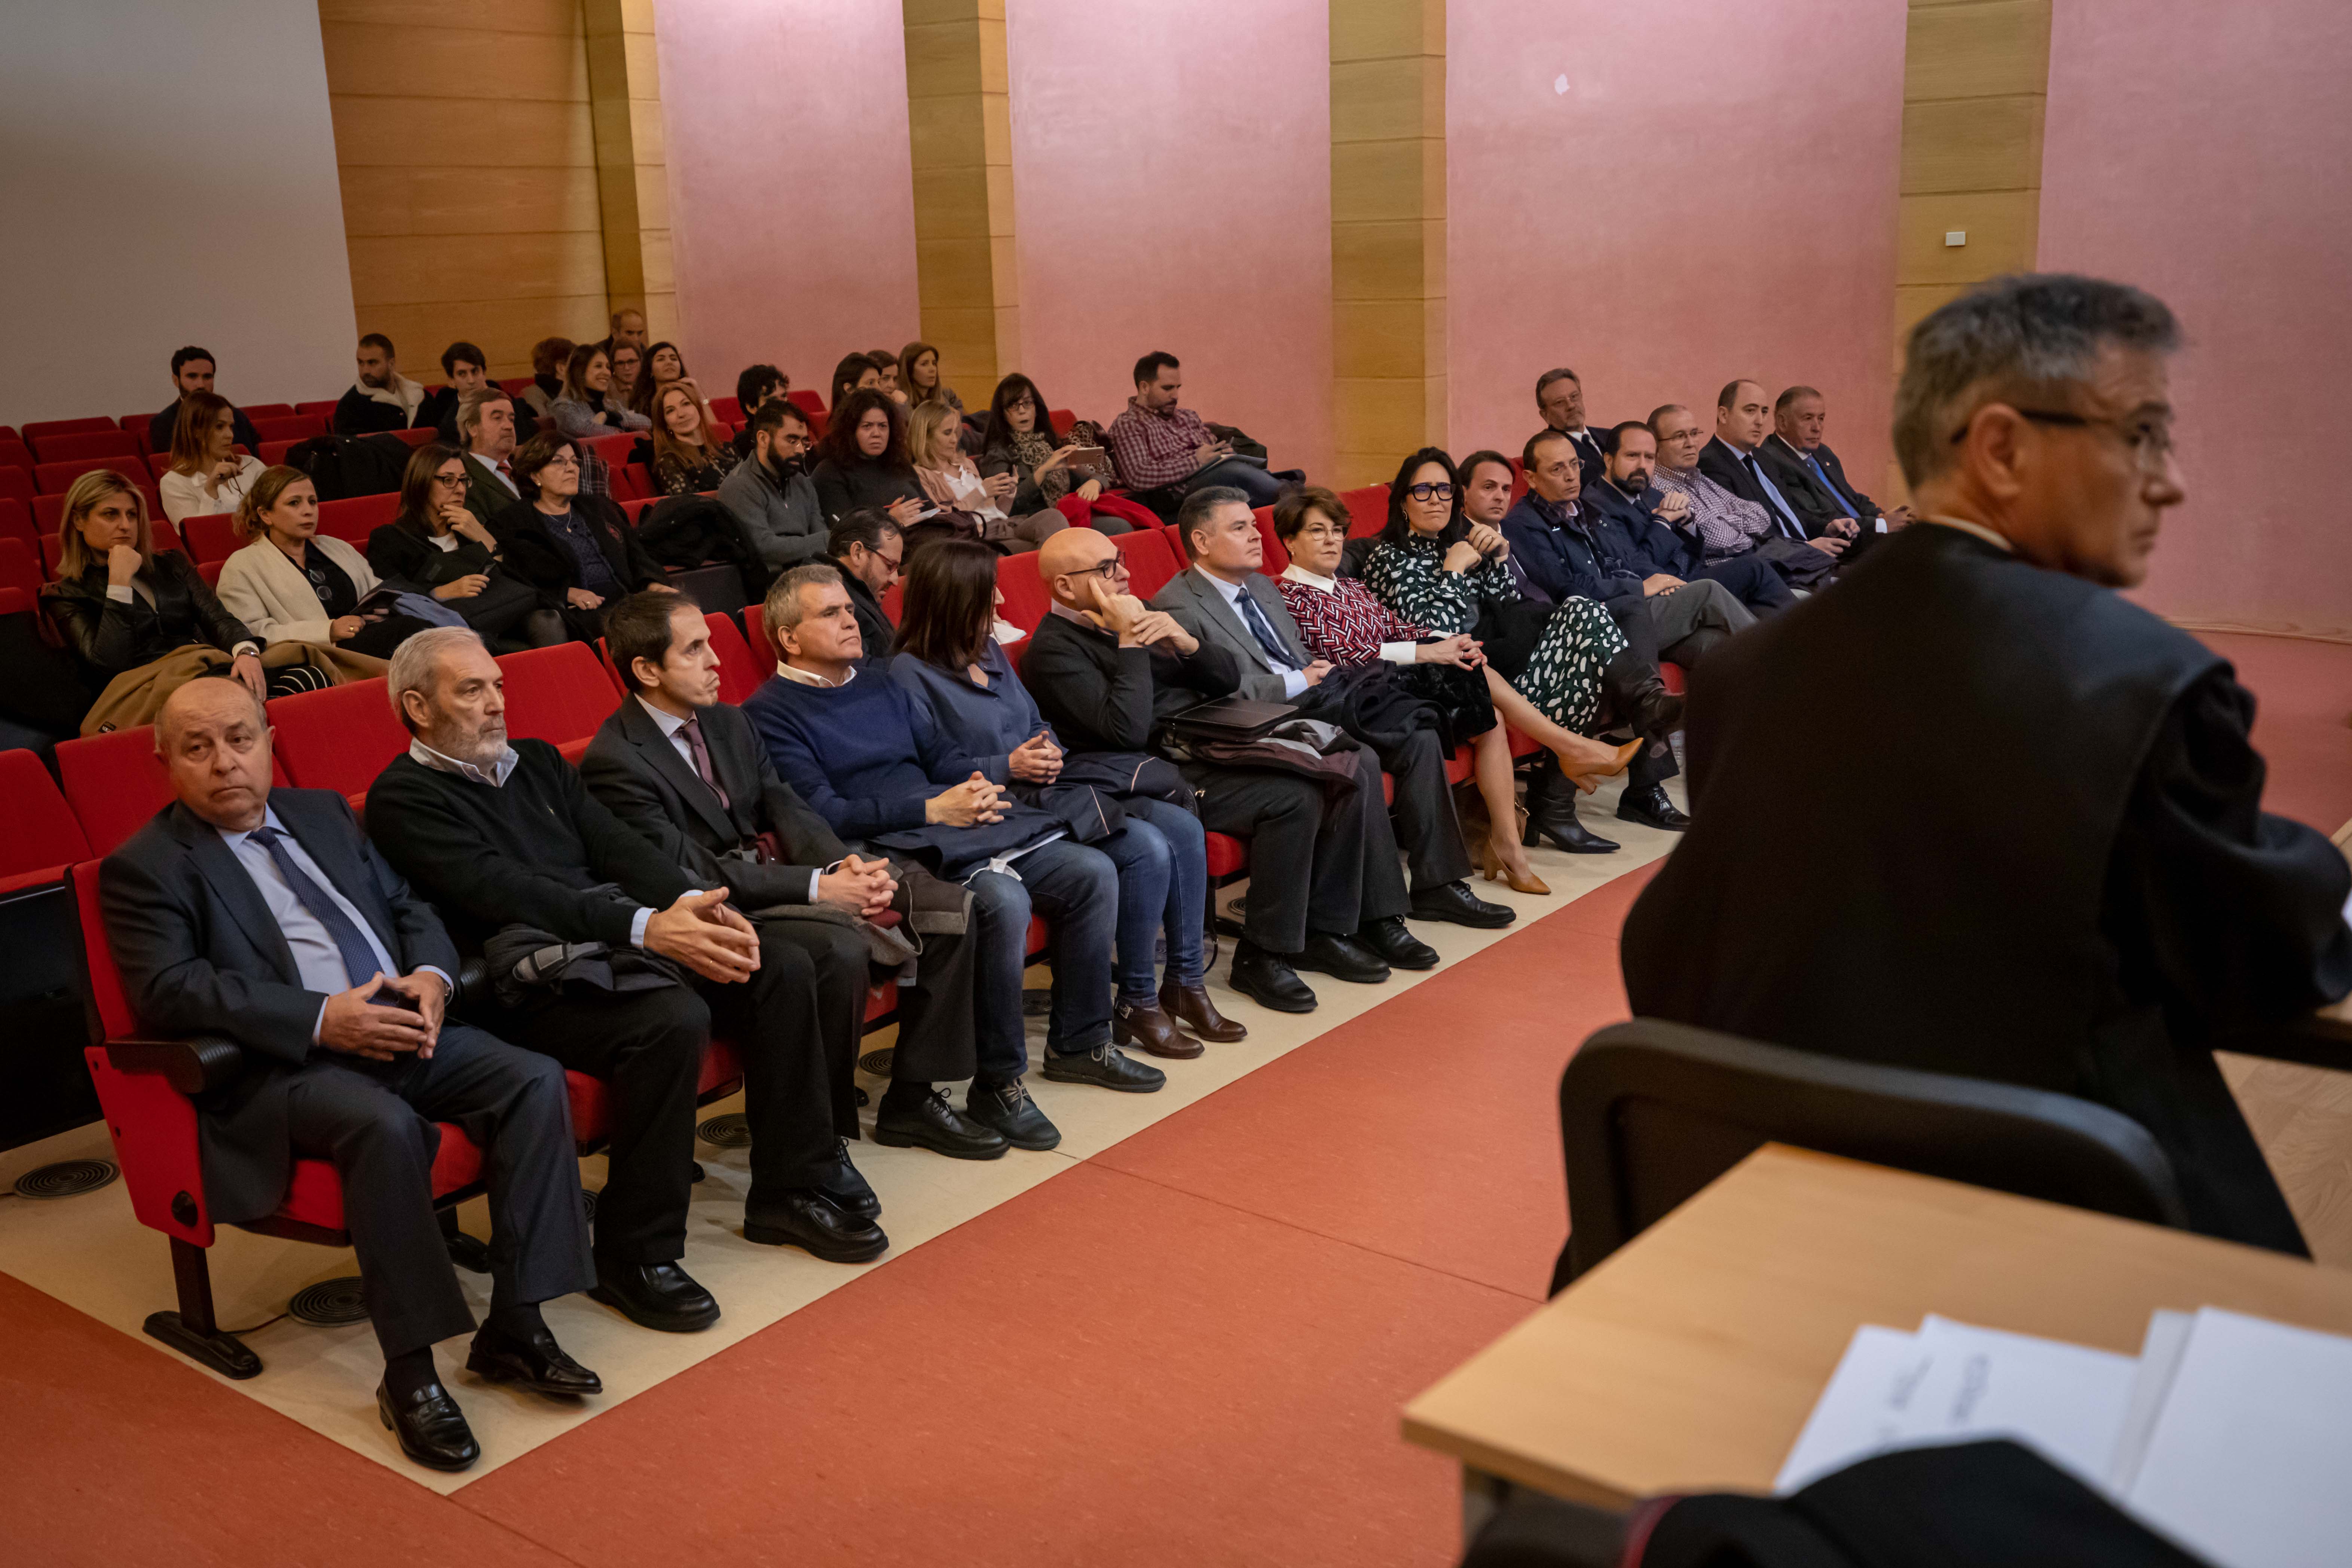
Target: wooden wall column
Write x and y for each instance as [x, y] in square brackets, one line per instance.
[959, 118]
[631, 170]
[1975, 76]
[1388, 233]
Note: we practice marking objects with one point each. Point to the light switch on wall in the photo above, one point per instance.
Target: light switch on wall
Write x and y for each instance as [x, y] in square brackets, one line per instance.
[1956, 236]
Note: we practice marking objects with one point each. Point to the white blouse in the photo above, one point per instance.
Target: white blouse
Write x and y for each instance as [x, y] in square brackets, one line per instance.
[185, 495]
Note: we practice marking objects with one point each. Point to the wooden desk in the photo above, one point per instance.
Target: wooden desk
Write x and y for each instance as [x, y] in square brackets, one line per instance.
[1689, 1359]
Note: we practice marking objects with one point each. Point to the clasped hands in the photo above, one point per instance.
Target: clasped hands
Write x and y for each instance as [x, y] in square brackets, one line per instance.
[1461, 650]
[862, 887]
[355, 1025]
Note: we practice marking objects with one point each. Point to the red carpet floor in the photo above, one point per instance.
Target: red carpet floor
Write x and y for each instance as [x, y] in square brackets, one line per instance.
[1190, 1350]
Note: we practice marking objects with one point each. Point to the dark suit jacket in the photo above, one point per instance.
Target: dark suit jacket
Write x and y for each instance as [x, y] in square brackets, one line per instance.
[633, 768]
[1655, 545]
[543, 560]
[439, 410]
[1201, 610]
[1718, 462]
[200, 953]
[485, 497]
[1820, 505]
[1101, 697]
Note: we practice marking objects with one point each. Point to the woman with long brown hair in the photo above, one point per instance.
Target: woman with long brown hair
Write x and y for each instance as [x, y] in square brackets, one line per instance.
[663, 365]
[207, 477]
[589, 406]
[855, 372]
[687, 458]
[121, 605]
[862, 461]
[920, 379]
[435, 544]
[293, 583]
[948, 662]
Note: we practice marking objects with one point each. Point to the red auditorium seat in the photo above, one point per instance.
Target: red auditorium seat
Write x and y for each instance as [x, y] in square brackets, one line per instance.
[810, 403]
[146, 1087]
[49, 548]
[337, 739]
[558, 694]
[633, 506]
[1148, 563]
[417, 434]
[38, 836]
[15, 454]
[288, 427]
[56, 478]
[730, 409]
[353, 520]
[17, 484]
[15, 520]
[638, 481]
[257, 412]
[20, 567]
[210, 571]
[154, 466]
[1060, 420]
[274, 452]
[210, 538]
[1278, 559]
[79, 444]
[739, 674]
[514, 386]
[323, 409]
[1677, 681]
[614, 448]
[164, 535]
[32, 433]
[1368, 511]
[114, 782]
[1026, 602]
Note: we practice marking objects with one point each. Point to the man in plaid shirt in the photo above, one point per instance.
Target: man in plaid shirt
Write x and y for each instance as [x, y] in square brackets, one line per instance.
[1157, 445]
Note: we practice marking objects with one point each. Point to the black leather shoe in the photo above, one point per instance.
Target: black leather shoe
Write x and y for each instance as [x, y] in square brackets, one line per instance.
[659, 1296]
[1342, 958]
[1561, 825]
[1011, 1111]
[1393, 939]
[930, 1122]
[537, 1364]
[1104, 1067]
[431, 1429]
[1268, 980]
[805, 1219]
[846, 1190]
[1455, 903]
[1652, 809]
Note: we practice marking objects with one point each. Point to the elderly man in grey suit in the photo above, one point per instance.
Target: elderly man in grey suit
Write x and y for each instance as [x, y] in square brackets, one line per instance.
[1224, 600]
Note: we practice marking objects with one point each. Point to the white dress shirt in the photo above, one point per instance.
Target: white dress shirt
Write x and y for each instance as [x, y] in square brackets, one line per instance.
[317, 960]
[1294, 679]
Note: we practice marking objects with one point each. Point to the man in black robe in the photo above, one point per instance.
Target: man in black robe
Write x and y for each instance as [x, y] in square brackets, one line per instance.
[2050, 866]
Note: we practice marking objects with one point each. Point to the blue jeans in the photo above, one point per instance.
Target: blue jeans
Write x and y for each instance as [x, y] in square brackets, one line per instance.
[1075, 889]
[1163, 874]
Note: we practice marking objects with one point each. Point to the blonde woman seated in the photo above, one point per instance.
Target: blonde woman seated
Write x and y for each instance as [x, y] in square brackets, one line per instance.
[293, 583]
[1560, 664]
[687, 458]
[207, 477]
[935, 439]
[120, 607]
[590, 405]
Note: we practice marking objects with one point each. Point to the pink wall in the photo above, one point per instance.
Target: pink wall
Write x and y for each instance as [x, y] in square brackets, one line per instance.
[1713, 195]
[2204, 156]
[1171, 189]
[791, 195]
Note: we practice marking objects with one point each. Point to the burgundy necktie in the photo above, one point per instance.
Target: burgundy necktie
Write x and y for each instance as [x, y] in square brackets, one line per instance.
[692, 730]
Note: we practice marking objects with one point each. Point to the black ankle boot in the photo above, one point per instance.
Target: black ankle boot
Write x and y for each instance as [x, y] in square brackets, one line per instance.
[1639, 697]
[1551, 815]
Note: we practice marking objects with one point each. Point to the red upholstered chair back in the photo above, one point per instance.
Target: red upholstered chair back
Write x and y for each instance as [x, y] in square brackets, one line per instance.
[257, 412]
[1368, 511]
[20, 566]
[15, 520]
[40, 427]
[37, 831]
[86, 443]
[1026, 602]
[115, 784]
[558, 694]
[109, 1007]
[287, 429]
[740, 672]
[1148, 562]
[353, 520]
[337, 739]
[210, 538]
[1278, 559]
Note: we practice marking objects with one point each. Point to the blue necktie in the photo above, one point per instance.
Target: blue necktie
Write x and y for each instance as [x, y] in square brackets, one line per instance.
[359, 959]
[1827, 483]
[1772, 502]
[1263, 629]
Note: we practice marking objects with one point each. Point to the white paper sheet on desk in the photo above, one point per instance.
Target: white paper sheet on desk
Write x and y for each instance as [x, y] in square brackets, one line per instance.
[1954, 1383]
[2159, 1358]
[2251, 1460]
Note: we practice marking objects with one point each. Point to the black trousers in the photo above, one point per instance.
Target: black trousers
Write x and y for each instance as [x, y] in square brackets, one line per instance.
[1654, 763]
[1751, 581]
[1312, 867]
[375, 1122]
[794, 1025]
[937, 1040]
[1423, 819]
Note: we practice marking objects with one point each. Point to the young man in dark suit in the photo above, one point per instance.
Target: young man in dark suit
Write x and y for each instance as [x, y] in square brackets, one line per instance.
[688, 772]
[267, 917]
[1742, 419]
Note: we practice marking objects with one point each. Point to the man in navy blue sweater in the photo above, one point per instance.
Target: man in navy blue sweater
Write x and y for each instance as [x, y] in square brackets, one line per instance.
[868, 759]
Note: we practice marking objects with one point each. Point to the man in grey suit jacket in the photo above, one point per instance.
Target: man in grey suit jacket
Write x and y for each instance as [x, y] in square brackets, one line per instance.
[1224, 600]
[267, 917]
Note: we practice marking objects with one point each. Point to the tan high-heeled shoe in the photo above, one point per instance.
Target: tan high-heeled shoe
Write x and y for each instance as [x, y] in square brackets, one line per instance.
[1586, 783]
[1482, 854]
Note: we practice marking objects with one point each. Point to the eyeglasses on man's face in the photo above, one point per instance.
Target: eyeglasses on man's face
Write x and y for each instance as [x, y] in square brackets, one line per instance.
[1115, 567]
[1430, 492]
[2148, 439]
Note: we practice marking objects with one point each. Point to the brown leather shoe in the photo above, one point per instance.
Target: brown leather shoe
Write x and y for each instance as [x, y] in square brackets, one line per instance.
[1152, 1029]
[1189, 1005]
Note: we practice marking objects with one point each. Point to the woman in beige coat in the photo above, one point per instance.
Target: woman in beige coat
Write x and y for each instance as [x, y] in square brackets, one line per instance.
[293, 583]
